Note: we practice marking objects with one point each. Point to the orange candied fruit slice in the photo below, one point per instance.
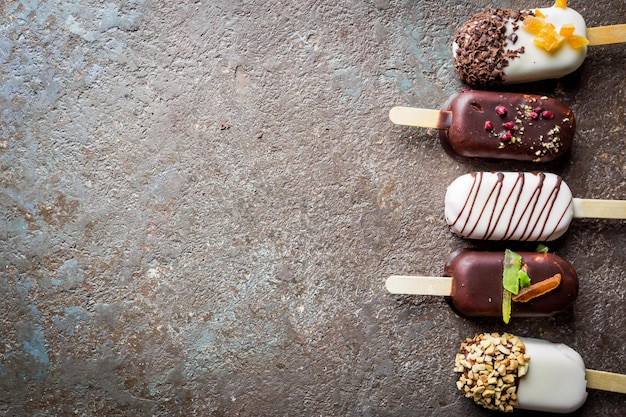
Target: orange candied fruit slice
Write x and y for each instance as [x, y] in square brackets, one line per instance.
[547, 38]
[545, 33]
[548, 43]
[561, 4]
[577, 41]
[534, 25]
[567, 30]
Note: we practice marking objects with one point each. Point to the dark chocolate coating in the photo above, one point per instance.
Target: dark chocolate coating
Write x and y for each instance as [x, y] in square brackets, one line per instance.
[477, 283]
[535, 135]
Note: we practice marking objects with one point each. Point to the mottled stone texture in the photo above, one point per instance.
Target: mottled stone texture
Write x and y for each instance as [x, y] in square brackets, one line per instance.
[201, 201]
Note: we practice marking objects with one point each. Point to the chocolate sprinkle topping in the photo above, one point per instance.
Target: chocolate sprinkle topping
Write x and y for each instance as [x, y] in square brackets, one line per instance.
[481, 53]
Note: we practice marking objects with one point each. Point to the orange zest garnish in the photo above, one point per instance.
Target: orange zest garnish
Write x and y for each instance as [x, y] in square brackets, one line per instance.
[537, 289]
[561, 4]
[533, 25]
[567, 30]
[577, 41]
[547, 37]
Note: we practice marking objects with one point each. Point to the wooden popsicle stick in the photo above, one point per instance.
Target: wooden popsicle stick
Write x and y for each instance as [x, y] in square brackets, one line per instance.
[606, 35]
[412, 285]
[599, 209]
[606, 381]
[411, 116]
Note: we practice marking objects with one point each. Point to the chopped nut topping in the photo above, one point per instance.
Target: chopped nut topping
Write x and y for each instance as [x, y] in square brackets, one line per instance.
[491, 365]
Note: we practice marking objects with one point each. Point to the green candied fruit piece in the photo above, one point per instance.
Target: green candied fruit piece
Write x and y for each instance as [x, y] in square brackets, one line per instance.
[506, 306]
[524, 279]
[512, 264]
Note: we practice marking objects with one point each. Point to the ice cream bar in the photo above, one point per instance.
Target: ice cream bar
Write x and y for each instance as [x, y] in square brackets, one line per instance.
[473, 282]
[504, 46]
[497, 125]
[504, 372]
[519, 206]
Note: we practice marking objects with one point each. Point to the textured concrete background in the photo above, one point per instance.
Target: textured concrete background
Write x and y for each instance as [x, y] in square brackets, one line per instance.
[201, 201]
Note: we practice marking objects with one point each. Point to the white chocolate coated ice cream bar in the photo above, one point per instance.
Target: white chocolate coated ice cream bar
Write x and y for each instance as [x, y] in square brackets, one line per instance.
[527, 206]
[504, 46]
[506, 372]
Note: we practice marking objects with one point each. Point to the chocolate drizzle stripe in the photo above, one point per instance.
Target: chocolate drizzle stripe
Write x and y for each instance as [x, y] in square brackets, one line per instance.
[469, 195]
[492, 193]
[531, 215]
[560, 219]
[489, 232]
[547, 211]
[520, 180]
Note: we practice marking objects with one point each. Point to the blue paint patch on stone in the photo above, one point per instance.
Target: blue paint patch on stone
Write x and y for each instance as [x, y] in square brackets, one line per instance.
[23, 288]
[29, 332]
[111, 18]
[69, 276]
[219, 344]
[71, 319]
[19, 199]
[34, 344]
[89, 24]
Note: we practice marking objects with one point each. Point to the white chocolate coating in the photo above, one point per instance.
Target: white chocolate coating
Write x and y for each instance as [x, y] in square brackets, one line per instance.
[555, 381]
[538, 64]
[509, 206]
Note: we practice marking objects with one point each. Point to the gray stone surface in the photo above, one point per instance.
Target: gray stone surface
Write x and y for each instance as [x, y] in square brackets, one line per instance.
[201, 201]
